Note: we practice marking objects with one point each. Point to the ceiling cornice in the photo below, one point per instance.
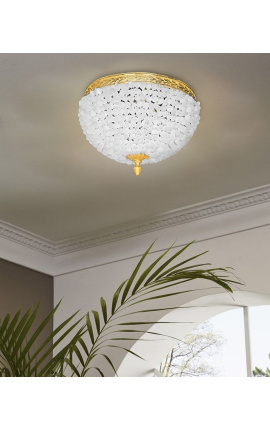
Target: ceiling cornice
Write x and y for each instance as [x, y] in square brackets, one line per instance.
[195, 212]
[26, 238]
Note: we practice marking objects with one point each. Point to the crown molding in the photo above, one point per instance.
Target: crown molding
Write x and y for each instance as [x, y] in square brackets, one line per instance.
[26, 238]
[187, 214]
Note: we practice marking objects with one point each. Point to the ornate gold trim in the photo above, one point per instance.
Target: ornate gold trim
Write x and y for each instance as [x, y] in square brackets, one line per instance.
[137, 159]
[123, 78]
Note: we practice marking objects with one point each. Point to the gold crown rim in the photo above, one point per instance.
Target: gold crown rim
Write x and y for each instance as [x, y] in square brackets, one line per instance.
[145, 77]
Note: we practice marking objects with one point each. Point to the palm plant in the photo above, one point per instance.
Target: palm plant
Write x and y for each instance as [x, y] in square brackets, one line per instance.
[17, 357]
[108, 328]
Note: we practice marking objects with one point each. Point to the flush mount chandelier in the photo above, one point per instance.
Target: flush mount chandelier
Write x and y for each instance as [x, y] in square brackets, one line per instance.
[138, 117]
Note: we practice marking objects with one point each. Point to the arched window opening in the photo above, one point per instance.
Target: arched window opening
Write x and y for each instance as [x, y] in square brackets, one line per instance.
[235, 343]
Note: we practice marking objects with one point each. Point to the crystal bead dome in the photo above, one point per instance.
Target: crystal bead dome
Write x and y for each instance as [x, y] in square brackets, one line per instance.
[137, 117]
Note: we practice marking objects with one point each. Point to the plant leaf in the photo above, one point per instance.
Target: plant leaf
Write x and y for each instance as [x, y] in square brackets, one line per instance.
[162, 296]
[131, 279]
[25, 330]
[61, 353]
[81, 341]
[18, 329]
[110, 362]
[116, 295]
[4, 324]
[98, 369]
[181, 264]
[96, 317]
[71, 365]
[148, 270]
[11, 326]
[78, 353]
[51, 336]
[40, 328]
[89, 327]
[145, 332]
[104, 309]
[125, 349]
[157, 272]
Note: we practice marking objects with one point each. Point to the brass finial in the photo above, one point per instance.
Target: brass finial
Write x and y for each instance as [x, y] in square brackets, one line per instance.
[137, 159]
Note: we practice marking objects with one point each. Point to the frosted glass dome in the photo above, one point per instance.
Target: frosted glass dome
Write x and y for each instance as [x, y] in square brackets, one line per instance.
[138, 118]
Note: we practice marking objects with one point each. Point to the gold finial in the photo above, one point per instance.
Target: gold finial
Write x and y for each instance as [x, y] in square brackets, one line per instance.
[137, 159]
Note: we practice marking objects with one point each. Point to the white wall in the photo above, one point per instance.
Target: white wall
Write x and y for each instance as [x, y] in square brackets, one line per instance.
[240, 239]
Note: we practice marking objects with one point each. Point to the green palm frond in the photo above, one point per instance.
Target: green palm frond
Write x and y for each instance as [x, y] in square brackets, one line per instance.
[154, 283]
[19, 358]
[106, 330]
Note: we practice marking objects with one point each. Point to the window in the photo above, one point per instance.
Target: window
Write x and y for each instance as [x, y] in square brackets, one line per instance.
[231, 344]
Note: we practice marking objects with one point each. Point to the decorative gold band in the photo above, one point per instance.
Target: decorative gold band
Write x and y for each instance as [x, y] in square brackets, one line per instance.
[123, 78]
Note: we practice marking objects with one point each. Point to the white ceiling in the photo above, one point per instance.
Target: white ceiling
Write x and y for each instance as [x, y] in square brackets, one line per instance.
[55, 184]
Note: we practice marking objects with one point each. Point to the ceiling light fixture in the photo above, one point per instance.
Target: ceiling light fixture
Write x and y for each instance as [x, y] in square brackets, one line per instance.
[138, 117]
